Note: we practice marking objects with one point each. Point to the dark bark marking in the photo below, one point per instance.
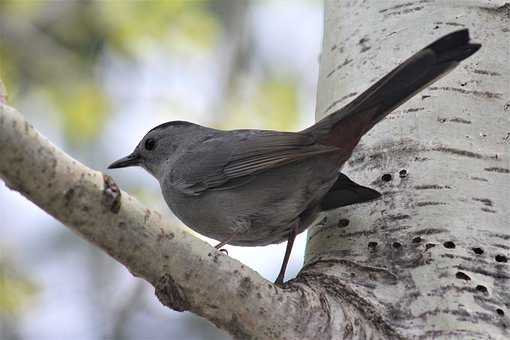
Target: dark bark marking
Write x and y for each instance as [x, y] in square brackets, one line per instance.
[483, 271]
[498, 235]
[347, 61]
[339, 101]
[430, 231]
[245, 287]
[487, 210]
[489, 73]
[502, 246]
[459, 120]
[68, 196]
[464, 153]
[405, 11]
[111, 195]
[398, 217]
[487, 202]
[431, 186]
[498, 170]
[456, 24]
[479, 94]
[363, 42]
[171, 294]
[479, 179]
[501, 258]
[407, 4]
[429, 203]
[163, 235]
[416, 109]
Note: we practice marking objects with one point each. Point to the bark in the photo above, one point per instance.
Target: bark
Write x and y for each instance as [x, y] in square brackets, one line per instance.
[428, 260]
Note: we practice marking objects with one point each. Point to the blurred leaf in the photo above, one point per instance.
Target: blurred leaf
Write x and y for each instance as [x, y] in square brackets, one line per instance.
[16, 291]
[179, 21]
[273, 105]
[9, 73]
[84, 109]
[277, 103]
[21, 8]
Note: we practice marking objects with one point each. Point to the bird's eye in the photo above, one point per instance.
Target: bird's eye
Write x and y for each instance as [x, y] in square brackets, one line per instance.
[150, 144]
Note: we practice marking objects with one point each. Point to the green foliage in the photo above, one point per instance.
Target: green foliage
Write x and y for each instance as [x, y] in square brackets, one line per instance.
[277, 103]
[272, 105]
[16, 291]
[54, 48]
[169, 22]
[84, 108]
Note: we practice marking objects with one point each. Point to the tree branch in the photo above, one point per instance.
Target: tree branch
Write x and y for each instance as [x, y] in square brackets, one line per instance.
[187, 273]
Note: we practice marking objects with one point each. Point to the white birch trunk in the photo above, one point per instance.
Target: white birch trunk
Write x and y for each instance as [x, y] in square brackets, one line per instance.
[431, 258]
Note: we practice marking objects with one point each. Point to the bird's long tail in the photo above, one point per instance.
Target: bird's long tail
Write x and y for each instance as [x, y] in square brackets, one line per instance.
[344, 127]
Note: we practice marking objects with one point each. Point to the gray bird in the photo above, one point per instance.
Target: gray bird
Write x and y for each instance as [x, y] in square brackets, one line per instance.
[259, 187]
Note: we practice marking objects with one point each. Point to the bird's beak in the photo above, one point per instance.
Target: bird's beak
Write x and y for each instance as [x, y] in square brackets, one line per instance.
[130, 160]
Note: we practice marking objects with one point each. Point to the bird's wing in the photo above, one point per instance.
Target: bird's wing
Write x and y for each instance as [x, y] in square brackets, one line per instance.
[234, 158]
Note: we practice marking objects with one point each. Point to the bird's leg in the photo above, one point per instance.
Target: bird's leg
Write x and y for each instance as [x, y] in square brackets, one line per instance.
[225, 241]
[290, 243]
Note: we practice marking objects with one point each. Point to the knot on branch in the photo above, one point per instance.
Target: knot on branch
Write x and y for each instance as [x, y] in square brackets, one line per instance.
[111, 194]
[170, 294]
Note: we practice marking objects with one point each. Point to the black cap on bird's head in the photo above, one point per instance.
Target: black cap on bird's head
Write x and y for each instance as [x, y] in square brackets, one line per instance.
[155, 147]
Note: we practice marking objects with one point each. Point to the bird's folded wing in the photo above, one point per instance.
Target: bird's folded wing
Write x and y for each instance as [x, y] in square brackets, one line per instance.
[223, 163]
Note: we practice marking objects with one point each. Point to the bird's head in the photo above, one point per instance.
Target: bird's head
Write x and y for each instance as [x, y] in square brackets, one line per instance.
[157, 147]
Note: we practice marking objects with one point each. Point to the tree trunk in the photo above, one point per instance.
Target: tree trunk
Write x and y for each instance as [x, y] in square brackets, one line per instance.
[428, 260]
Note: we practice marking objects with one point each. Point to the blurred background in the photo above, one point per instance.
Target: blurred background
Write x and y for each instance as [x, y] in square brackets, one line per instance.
[94, 77]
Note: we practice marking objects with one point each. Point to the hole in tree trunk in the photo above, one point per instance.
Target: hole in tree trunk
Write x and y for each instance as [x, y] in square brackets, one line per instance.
[482, 289]
[343, 223]
[462, 276]
[449, 245]
[386, 177]
[478, 251]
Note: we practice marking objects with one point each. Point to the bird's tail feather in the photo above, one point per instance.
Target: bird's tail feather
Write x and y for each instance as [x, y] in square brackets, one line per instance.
[344, 127]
